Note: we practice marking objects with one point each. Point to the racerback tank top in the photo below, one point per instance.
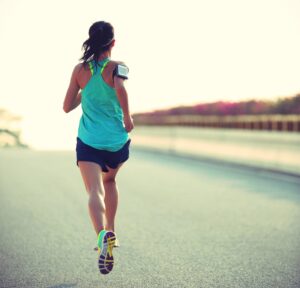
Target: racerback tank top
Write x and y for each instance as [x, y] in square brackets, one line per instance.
[101, 124]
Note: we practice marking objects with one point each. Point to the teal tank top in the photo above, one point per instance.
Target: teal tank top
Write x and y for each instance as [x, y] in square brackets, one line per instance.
[101, 124]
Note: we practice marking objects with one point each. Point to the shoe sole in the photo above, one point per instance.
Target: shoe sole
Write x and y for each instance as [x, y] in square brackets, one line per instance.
[106, 258]
[117, 245]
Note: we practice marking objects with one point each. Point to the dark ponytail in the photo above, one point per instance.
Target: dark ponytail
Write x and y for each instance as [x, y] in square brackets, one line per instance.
[101, 35]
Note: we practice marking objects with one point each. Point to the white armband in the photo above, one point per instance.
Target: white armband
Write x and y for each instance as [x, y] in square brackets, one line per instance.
[121, 71]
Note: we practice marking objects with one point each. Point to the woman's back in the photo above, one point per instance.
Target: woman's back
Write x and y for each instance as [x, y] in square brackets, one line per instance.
[84, 74]
[101, 125]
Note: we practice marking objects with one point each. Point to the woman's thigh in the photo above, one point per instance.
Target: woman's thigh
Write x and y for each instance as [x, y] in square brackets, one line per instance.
[111, 174]
[91, 175]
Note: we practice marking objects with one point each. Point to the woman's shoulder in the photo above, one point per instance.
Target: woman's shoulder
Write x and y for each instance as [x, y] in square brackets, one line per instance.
[80, 69]
[115, 62]
[112, 64]
[81, 66]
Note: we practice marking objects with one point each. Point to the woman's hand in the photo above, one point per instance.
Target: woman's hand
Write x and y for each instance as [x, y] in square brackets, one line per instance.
[128, 122]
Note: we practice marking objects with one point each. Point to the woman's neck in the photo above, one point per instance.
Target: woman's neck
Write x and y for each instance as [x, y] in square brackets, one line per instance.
[104, 55]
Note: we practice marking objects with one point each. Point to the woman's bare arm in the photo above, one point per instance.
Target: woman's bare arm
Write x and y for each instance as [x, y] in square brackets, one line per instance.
[123, 100]
[73, 96]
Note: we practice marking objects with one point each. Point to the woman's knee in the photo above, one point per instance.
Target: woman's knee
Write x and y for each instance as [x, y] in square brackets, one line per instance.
[94, 190]
[109, 180]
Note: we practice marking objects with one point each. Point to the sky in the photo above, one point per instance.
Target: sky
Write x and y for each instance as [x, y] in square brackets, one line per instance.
[178, 53]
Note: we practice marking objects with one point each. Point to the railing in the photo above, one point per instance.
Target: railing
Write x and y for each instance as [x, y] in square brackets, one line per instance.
[250, 122]
[276, 150]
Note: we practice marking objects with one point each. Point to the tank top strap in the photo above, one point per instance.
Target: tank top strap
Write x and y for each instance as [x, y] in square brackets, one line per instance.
[91, 66]
[105, 62]
[94, 66]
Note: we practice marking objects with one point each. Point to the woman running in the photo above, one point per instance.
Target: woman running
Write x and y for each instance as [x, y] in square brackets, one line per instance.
[103, 142]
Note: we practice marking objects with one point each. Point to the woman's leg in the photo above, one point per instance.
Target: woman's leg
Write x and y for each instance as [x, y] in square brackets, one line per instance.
[91, 175]
[111, 197]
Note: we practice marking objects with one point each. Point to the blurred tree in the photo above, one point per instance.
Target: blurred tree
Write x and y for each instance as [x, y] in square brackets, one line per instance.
[9, 130]
[289, 105]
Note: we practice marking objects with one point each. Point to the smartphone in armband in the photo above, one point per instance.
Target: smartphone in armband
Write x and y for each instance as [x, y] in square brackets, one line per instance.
[121, 71]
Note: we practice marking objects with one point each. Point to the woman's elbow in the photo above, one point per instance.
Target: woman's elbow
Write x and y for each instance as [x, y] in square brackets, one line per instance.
[66, 108]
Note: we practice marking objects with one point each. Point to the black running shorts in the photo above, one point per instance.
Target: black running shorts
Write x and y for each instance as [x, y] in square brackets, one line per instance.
[104, 158]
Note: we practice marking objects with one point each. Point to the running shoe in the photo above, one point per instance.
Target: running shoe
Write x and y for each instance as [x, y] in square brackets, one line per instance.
[106, 242]
[117, 244]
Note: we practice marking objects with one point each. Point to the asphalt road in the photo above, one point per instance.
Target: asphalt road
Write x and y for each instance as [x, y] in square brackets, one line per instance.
[181, 223]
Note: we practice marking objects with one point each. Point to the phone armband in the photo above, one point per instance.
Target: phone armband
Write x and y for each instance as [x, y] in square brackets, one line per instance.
[121, 71]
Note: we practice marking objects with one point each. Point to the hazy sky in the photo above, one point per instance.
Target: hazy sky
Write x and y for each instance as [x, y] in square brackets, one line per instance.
[178, 52]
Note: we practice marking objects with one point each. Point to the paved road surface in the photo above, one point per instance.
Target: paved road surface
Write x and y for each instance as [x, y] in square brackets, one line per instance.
[192, 225]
